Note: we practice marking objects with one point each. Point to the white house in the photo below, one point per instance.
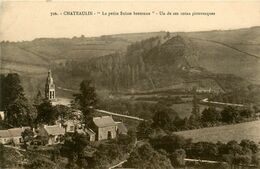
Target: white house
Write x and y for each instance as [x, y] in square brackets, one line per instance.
[13, 135]
[53, 133]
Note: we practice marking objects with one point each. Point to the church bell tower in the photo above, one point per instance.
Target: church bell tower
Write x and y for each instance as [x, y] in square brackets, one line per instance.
[49, 87]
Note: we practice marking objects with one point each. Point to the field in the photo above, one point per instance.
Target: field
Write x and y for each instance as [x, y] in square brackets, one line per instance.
[238, 132]
[185, 109]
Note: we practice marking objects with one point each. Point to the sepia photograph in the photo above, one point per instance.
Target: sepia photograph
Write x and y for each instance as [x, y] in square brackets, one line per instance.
[129, 85]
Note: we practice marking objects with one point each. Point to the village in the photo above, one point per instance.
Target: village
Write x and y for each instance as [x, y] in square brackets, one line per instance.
[151, 100]
[100, 128]
[72, 137]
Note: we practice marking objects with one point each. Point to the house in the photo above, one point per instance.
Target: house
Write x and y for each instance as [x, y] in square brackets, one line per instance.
[71, 126]
[104, 127]
[16, 134]
[53, 134]
[121, 128]
[5, 137]
[13, 135]
[204, 90]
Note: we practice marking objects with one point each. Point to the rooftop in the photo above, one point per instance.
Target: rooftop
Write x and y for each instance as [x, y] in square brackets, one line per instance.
[54, 130]
[104, 121]
[4, 134]
[13, 132]
[16, 132]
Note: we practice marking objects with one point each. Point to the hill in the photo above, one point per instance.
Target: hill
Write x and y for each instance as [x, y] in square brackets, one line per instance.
[140, 61]
[238, 132]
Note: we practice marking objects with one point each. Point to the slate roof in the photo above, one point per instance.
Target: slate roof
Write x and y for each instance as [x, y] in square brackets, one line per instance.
[4, 134]
[55, 130]
[104, 121]
[17, 132]
[13, 132]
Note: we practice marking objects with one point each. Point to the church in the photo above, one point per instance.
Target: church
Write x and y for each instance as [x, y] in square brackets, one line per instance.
[101, 128]
[50, 87]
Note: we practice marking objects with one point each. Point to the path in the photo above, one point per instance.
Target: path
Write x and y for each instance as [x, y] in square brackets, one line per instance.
[206, 100]
[118, 164]
[119, 115]
[186, 159]
[203, 161]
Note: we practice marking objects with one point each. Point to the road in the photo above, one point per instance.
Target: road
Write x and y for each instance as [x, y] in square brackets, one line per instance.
[206, 100]
[104, 111]
[119, 115]
[203, 161]
[118, 164]
[186, 159]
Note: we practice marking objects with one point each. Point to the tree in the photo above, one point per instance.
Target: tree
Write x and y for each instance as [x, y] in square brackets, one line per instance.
[210, 115]
[247, 144]
[46, 113]
[38, 99]
[256, 159]
[18, 109]
[162, 117]
[246, 113]
[126, 142]
[144, 129]
[169, 143]
[229, 115]
[27, 136]
[145, 157]
[2, 78]
[73, 148]
[64, 112]
[132, 134]
[2, 157]
[40, 163]
[193, 122]
[87, 99]
[11, 89]
[178, 158]
[195, 108]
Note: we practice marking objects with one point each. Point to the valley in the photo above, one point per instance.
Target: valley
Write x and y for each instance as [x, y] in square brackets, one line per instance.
[160, 64]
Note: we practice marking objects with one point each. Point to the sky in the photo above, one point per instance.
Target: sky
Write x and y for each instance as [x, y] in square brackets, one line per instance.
[29, 20]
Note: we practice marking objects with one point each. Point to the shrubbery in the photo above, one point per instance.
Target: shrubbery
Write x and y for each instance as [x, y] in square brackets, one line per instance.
[84, 154]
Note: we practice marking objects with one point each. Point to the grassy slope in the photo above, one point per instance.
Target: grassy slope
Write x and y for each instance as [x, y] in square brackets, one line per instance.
[33, 58]
[185, 109]
[248, 130]
[218, 58]
[217, 51]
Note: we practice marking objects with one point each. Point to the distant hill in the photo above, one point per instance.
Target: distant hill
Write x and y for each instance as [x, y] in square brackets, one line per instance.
[139, 61]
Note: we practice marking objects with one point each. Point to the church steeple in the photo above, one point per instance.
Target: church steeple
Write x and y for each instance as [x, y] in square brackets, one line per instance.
[49, 87]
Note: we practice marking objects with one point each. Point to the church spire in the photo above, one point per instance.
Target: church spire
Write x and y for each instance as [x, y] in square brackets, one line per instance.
[49, 87]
